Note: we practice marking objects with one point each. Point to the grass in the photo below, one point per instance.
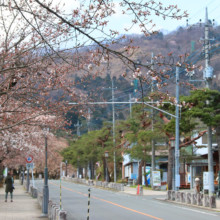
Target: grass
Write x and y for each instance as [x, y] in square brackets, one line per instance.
[144, 187]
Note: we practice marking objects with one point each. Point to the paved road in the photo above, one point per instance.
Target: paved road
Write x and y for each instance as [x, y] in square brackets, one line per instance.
[109, 205]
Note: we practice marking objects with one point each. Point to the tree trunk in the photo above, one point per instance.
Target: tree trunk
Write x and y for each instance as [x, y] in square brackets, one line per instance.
[218, 142]
[109, 178]
[140, 173]
[81, 172]
[170, 165]
[86, 170]
[1, 174]
[104, 168]
[92, 170]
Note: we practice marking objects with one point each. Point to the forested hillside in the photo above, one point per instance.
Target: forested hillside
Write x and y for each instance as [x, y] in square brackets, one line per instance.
[181, 41]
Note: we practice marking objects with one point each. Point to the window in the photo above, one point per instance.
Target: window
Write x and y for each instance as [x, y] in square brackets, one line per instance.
[205, 139]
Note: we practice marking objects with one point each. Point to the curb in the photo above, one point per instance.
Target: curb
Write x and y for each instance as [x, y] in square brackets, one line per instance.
[94, 186]
[189, 205]
[105, 188]
[101, 185]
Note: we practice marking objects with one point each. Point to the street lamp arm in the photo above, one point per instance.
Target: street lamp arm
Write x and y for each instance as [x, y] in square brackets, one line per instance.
[160, 110]
[146, 103]
[103, 103]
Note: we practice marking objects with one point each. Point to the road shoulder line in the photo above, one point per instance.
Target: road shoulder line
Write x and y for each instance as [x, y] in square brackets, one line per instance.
[188, 205]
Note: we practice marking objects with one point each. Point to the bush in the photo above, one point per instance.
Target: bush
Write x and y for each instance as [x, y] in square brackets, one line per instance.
[122, 181]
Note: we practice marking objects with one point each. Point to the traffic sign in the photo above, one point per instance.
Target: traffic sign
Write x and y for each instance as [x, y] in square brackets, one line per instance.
[30, 166]
[29, 159]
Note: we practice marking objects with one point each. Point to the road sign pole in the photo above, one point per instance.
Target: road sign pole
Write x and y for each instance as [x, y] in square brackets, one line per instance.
[22, 180]
[45, 189]
[33, 178]
[27, 179]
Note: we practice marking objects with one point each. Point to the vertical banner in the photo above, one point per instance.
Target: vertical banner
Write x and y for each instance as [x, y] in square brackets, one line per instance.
[5, 172]
[205, 180]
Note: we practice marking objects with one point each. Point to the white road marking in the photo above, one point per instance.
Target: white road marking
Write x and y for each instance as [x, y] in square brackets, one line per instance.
[161, 203]
[195, 210]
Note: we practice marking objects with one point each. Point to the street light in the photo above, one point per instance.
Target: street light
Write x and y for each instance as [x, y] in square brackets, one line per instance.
[66, 166]
[106, 157]
[182, 138]
[45, 189]
[61, 185]
[172, 144]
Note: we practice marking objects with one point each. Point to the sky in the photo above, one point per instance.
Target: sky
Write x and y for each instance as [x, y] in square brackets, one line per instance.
[195, 9]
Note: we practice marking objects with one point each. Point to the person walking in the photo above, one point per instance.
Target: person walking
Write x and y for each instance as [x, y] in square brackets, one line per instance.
[9, 186]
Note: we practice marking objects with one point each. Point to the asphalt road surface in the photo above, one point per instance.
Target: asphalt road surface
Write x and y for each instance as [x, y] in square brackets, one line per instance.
[111, 205]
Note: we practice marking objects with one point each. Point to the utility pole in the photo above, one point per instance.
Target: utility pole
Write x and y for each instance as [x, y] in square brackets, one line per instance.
[207, 77]
[152, 127]
[177, 139]
[130, 106]
[208, 73]
[88, 125]
[113, 122]
[78, 128]
[88, 120]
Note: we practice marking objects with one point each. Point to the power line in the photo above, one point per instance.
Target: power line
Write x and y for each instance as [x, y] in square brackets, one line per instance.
[202, 8]
[214, 9]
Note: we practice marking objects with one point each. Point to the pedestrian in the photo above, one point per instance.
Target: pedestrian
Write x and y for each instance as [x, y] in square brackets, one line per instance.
[9, 182]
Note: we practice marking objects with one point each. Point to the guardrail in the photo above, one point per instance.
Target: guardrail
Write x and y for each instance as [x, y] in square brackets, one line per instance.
[111, 185]
[54, 212]
[74, 180]
[192, 198]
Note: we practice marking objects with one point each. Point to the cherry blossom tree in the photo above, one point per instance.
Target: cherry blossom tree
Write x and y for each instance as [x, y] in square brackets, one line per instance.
[42, 43]
[42, 47]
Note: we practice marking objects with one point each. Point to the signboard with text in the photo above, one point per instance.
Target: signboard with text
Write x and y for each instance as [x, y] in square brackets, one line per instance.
[30, 166]
[156, 178]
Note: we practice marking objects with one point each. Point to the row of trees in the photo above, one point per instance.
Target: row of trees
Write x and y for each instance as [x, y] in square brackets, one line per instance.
[134, 135]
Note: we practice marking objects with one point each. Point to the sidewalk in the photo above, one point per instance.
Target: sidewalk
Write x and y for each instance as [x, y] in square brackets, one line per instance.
[133, 191]
[22, 207]
[217, 209]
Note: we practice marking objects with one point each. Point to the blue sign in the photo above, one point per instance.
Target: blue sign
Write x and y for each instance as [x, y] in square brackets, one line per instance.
[134, 176]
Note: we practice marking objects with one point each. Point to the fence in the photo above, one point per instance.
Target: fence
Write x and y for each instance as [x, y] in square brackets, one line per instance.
[192, 198]
[111, 185]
